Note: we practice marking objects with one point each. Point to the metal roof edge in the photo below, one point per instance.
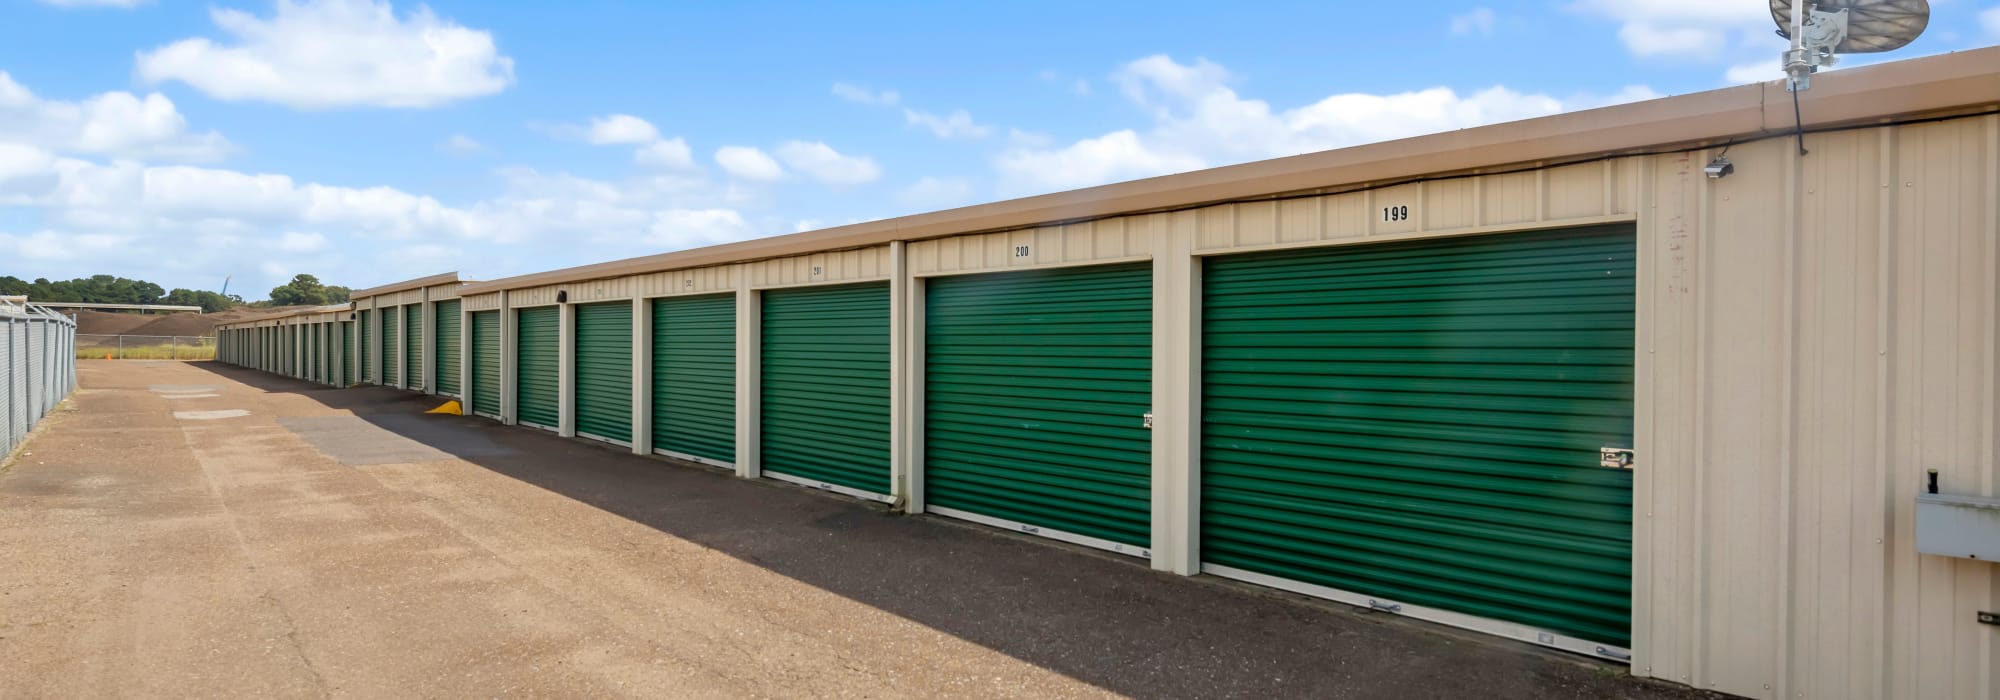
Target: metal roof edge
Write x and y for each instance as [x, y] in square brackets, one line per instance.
[393, 287]
[1856, 95]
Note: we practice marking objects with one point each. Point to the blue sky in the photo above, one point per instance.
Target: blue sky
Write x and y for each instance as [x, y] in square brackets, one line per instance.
[366, 142]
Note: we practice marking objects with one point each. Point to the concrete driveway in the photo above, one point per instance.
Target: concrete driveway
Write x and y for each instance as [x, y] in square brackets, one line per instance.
[192, 529]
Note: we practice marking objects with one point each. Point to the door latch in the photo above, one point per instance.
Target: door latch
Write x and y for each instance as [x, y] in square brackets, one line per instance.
[1615, 457]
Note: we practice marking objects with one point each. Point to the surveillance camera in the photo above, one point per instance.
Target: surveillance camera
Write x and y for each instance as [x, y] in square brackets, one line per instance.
[1719, 168]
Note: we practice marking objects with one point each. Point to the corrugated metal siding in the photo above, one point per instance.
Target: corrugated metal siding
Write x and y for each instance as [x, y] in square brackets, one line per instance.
[604, 370]
[447, 346]
[1121, 238]
[821, 268]
[413, 346]
[825, 370]
[536, 363]
[694, 376]
[1036, 388]
[346, 341]
[486, 362]
[1821, 331]
[392, 322]
[1421, 421]
[365, 350]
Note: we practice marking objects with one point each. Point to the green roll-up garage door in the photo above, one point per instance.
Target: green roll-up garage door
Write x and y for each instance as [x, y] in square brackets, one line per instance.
[1421, 421]
[694, 376]
[1037, 384]
[346, 341]
[413, 346]
[826, 385]
[486, 362]
[536, 363]
[446, 347]
[392, 323]
[363, 349]
[604, 371]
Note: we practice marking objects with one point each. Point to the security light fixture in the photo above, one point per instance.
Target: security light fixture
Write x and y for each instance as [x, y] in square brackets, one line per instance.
[1719, 168]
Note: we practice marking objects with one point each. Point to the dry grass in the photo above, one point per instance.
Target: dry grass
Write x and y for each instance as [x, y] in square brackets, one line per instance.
[147, 352]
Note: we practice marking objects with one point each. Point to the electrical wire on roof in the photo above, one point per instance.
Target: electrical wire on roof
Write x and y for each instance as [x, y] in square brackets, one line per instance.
[1799, 122]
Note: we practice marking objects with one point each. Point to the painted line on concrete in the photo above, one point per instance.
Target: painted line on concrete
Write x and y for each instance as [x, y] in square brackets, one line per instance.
[210, 415]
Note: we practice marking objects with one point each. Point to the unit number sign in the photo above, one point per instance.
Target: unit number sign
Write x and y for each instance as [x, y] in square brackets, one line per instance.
[1396, 213]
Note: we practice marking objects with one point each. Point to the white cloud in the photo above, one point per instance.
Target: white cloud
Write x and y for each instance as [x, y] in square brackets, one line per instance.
[1199, 121]
[1697, 28]
[1989, 19]
[1754, 72]
[820, 162]
[935, 193]
[113, 123]
[862, 95]
[462, 145]
[21, 160]
[749, 163]
[678, 229]
[296, 242]
[320, 54]
[1478, 21]
[53, 246]
[620, 129]
[957, 125]
[125, 4]
[665, 153]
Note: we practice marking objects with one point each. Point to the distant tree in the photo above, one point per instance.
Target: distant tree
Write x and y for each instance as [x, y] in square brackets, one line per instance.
[102, 289]
[337, 294]
[14, 286]
[303, 290]
[208, 301]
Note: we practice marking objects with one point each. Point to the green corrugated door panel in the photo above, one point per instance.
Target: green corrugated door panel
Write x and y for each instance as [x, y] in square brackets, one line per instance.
[1036, 388]
[604, 370]
[392, 330]
[825, 366]
[413, 345]
[312, 352]
[694, 376]
[486, 362]
[536, 364]
[446, 346]
[364, 350]
[346, 341]
[1421, 421]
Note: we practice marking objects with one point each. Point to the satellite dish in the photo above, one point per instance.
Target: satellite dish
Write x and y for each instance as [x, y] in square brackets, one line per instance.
[1821, 28]
[1871, 25]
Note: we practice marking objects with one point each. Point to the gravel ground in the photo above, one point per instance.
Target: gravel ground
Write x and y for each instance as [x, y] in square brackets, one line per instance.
[191, 529]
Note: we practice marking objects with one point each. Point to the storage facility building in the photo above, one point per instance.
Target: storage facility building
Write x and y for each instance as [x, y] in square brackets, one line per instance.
[1549, 379]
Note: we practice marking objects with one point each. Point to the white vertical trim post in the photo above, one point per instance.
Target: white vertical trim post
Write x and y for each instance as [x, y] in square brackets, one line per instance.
[1176, 395]
[566, 370]
[749, 326]
[510, 389]
[642, 375]
[902, 467]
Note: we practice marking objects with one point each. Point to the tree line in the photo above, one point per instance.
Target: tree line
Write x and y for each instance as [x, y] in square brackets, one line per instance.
[303, 290]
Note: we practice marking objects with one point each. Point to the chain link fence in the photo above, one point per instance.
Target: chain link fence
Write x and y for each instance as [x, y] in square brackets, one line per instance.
[91, 346]
[37, 367]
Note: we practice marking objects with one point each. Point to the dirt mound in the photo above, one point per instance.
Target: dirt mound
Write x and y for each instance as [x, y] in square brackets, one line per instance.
[177, 324]
[90, 322]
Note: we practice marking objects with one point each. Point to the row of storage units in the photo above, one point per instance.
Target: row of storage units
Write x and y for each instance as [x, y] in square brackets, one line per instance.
[1609, 405]
[404, 336]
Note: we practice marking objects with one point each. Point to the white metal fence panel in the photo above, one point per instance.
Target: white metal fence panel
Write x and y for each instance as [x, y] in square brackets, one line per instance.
[37, 367]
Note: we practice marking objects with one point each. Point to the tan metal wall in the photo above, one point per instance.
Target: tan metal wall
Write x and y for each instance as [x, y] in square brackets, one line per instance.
[483, 302]
[859, 265]
[1120, 239]
[1815, 333]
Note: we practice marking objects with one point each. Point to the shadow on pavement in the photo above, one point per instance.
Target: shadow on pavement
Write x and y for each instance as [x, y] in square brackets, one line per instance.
[1097, 617]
